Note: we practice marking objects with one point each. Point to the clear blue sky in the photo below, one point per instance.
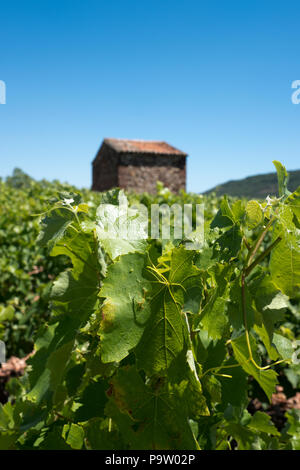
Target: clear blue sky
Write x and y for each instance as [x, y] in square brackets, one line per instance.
[212, 78]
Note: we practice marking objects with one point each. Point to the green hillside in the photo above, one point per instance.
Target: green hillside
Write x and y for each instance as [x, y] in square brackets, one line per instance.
[258, 186]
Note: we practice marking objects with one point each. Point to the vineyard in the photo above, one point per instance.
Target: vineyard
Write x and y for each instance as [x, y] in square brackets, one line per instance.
[145, 343]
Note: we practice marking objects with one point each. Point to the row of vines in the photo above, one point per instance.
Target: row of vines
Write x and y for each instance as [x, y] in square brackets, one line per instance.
[148, 344]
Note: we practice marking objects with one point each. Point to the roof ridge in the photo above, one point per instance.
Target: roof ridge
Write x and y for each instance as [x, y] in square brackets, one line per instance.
[142, 146]
[133, 140]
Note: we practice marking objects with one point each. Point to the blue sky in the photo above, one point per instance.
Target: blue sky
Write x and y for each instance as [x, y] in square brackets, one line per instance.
[211, 78]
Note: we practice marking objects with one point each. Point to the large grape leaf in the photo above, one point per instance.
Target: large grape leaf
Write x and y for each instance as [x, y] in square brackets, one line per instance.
[53, 348]
[213, 317]
[75, 291]
[74, 298]
[119, 228]
[166, 330]
[54, 226]
[82, 249]
[254, 214]
[184, 370]
[285, 264]
[150, 417]
[125, 309]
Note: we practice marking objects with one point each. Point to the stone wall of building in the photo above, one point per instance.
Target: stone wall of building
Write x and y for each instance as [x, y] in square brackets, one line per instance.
[137, 172]
[105, 169]
[140, 173]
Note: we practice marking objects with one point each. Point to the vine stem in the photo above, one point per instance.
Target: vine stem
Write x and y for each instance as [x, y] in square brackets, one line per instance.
[262, 256]
[245, 273]
[260, 240]
[245, 320]
[229, 366]
[191, 354]
[60, 416]
[246, 243]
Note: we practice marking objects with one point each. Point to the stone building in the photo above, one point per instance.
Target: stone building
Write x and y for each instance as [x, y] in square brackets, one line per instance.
[136, 165]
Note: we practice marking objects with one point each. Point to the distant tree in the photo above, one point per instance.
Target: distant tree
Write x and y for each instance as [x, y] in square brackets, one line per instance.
[19, 179]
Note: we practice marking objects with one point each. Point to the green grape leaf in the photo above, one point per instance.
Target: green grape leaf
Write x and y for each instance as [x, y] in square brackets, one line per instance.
[74, 299]
[8, 440]
[294, 203]
[121, 229]
[229, 243]
[50, 360]
[73, 435]
[6, 417]
[32, 415]
[213, 386]
[155, 418]
[233, 384]
[81, 248]
[238, 210]
[270, 305]
[285, 264]
[101, 435]
[183, 371]
[224, 217]
[254, 214]
[51, 439]
[282, 177]
[265, 331]
[214, 318]
[262, 422]
[92, 401]
[54, 227]
[235, 306]
[293, 428]
[210, 353]
[6, 313]
[283, 345]
[125, 310]
[166, 330]
[267, 379]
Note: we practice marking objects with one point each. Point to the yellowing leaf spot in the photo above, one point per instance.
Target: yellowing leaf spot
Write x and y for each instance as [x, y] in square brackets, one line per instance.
[108, 316]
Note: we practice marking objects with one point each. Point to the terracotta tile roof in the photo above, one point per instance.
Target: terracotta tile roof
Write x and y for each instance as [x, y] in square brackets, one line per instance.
[142, 146]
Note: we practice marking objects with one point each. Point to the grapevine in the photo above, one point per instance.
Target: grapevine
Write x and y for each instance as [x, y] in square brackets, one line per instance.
[151, 345]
